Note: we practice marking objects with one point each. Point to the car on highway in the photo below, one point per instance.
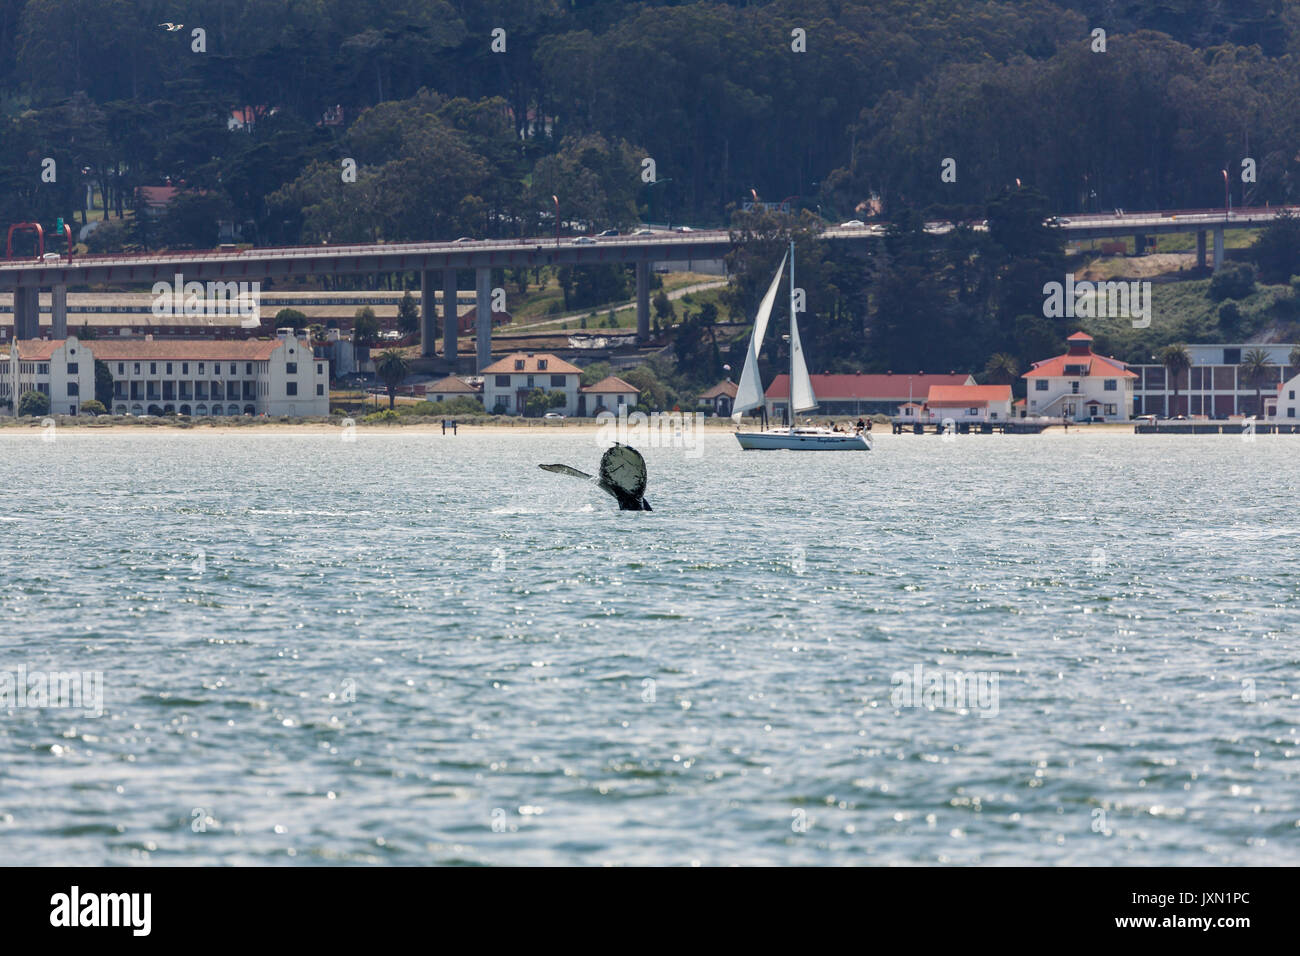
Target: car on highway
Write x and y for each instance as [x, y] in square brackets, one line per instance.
[852, 224]
[607, 233]
[51, 257]
[584, 241]
[466, 239]
[683, 229]
[644, 232]
[553, 415]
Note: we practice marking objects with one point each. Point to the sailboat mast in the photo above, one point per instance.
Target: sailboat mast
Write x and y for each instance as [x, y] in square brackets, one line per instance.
[792, 334]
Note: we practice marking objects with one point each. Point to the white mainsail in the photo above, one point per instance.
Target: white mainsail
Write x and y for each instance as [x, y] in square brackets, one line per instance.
[749, 393]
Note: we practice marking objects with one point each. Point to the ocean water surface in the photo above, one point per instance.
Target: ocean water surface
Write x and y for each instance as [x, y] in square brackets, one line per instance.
[415, 649]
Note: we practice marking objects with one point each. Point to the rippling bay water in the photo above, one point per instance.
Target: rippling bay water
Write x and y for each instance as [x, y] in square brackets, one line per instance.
[415, 649]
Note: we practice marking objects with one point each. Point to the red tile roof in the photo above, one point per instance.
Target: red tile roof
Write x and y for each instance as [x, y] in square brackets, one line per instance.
[215, 350]
[38, 350]
[556, 366]
[1096, 365]
[613, 385]
[867, 387]
[1079, 337]
[944, 396]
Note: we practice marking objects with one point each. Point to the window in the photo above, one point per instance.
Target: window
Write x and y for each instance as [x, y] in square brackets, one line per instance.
[1290, 413]
[169, 368]
[1232, 356]
[1291, 395]
[1074, 388]
[153, 368]
[320, 390]
[185, 368]
[200, 368]
[1111, 409]
[1040, 384]
[541, 365]
[972, 411]
[291, 368]
[73, 389]
[530, 381]
[519, 365]
[233, 367]
[503, 381]
[121, 368]
[1111, 385]
[557, 381]
[248, 368]
[320, 368]
[43, 368]
[291, 388]
[72, 368]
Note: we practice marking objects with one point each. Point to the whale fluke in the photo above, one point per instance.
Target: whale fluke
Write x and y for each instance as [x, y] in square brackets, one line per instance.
[622, 475]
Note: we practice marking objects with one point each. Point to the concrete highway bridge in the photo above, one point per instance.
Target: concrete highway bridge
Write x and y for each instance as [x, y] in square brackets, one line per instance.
[438, 263]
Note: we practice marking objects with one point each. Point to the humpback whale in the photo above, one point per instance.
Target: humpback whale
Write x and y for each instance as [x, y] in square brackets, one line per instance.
[622, 474]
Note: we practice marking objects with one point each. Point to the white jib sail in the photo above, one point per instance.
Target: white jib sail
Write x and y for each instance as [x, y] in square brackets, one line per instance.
[801, 390]
[749, 393]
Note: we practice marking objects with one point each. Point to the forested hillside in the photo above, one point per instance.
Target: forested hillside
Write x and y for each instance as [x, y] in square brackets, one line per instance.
[466, 118]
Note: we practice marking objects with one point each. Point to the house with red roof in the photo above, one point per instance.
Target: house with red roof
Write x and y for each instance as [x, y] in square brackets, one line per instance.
[608, 395]
[61, 369]
[860, 393]
[1080, 385]
[509, 381]
[968, 403]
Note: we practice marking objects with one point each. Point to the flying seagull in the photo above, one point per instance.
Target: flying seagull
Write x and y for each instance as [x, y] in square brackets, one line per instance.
[622, 474]
[172, 27]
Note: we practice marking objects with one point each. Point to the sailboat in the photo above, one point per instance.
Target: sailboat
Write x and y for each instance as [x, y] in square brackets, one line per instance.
[749, 393]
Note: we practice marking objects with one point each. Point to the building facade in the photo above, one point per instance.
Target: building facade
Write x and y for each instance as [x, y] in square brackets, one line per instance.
[279, 376]
[63, 370]
[608, 395]
[968, 403]
[1080, 385]
[508, 382]
[860, 393]
[1214, 386]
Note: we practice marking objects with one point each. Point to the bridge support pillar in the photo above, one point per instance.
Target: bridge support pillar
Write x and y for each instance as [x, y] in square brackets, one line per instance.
[59, 312]
[1218, 248]
[450, 321]
[1139, 244]
[428, 316]
[27, 321]
[483, 319]
[642, 301]
[1200, 249]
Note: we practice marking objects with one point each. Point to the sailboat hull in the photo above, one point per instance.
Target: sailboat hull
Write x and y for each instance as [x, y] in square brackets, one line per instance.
[802, 440]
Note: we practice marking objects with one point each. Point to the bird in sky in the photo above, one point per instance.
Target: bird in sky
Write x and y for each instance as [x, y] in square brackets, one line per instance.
[172, 27]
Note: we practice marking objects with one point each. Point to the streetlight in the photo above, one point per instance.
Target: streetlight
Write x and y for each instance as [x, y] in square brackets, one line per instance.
[557, 220]
[1227, 203]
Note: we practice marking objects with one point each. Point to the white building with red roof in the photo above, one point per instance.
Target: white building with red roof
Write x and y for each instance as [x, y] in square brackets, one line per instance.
[719, 398]
[860, 393]
[279, 376]
[608, 395]
[1080, 385]
[509, 381]
[61, 369]
[968, 403]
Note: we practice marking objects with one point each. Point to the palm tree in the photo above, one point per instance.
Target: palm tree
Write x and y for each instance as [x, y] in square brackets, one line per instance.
[392, 367]
[1176, 360]
[1001, 369]
[1255, 366]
